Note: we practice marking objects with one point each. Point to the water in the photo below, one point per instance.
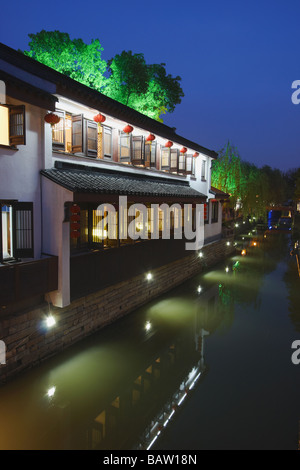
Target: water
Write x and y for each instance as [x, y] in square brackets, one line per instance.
[206, 368]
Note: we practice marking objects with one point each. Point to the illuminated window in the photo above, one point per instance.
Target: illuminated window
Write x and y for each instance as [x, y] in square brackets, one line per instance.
[165, 158]
[75, 134]
[189, 165]
[12, 125]
[125, 148]
[107, 142]
[181, 163]
[150, 155]
[16, 230]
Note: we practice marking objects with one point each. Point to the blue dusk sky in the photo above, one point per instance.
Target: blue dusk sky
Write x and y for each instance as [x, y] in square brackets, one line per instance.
[237, 61]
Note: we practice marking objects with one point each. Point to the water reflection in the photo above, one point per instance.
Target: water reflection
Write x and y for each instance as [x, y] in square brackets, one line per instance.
[120, 388]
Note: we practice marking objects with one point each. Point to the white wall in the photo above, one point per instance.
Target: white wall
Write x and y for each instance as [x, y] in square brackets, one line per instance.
[56, 236]
[20, 169]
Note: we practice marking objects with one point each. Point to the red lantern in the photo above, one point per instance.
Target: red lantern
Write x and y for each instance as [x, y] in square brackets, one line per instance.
[75, 218]
[128, 129]
[169, 144]
[150, 138]
[99, 118]
[52, 119]
[183, 150]
[196, 154]
[75, 209]
[75, 234]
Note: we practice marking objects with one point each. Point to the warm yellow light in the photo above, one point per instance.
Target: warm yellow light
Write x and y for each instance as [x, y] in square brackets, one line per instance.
[244, 252]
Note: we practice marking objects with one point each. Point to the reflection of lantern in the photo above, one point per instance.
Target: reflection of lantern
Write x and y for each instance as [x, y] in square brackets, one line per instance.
[196, 154]
[52, 119]
[244, 252]
[169, 144]
[99, 118]
[75, 219]
[183, 150]
[128, 129]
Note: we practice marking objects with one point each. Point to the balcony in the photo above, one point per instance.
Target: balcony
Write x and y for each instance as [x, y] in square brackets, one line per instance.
[21, 281]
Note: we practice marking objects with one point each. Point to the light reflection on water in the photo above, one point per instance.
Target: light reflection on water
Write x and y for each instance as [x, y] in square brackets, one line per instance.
[122, 387]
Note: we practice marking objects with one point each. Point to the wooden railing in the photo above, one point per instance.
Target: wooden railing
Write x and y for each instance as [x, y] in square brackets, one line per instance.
[23, 280]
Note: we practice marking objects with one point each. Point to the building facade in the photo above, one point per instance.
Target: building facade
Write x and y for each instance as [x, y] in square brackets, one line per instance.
[65, 151]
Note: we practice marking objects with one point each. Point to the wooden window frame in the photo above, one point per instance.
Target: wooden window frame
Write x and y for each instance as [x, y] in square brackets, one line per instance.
[105, 133]
[141, 160]
[166, 167]
[126, 159]
[214, 217]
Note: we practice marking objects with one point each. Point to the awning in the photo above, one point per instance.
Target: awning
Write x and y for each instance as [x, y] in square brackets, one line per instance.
[220, 195]
[95, 181]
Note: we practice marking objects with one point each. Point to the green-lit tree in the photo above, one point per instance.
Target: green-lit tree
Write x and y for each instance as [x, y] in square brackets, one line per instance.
[144, 87]
[73, 58]
[127, 77]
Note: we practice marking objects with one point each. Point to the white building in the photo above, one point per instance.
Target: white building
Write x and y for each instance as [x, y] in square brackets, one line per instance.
[48, 173]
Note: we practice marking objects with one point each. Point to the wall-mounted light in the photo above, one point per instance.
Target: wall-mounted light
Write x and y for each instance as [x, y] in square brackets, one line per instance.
[50, 321]
[51, 392]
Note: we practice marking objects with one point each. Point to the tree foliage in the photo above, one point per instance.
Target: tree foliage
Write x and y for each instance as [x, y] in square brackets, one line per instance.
[127, 78]
[73, 58]
[254, 188]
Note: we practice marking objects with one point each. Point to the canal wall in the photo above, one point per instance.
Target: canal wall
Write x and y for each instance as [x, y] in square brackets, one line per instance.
[29, 341]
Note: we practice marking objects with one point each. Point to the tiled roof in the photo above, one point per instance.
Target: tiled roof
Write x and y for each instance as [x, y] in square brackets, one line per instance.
[100, 182]
[218, 193]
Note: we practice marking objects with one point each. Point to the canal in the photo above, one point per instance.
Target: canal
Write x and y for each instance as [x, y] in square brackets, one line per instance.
[206, 366]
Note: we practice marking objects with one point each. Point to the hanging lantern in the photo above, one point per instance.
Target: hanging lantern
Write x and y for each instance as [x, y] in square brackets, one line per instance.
[150, 138]
[75, 209]
[196, 154]
[183, 150]
[128, 129]
[99, 118]
[169, 144]
[52, 119]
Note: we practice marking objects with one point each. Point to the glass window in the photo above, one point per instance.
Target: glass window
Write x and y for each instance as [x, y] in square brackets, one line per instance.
[214, 212]
[7, 238]
[107, 142]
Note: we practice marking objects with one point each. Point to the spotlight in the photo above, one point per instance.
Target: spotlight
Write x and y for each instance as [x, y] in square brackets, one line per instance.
[50, 321]
[200, 254]
[51, 392]
[148, 326]
[199, 290]
[149, 276]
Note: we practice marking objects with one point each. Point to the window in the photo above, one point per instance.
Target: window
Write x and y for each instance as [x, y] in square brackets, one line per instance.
[206, 213]
[75, 134]
[165, 158]
[107, 142]
[12, 125]
[214, 212]
[137, 150]
[125, 147]
[181, 163]
[150, 155]
[189, 165]
[16, 230]
[174, 160]
[203, 170]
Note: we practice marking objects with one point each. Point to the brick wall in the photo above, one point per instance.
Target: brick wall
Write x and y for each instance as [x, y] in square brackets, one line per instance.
[29, 342]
